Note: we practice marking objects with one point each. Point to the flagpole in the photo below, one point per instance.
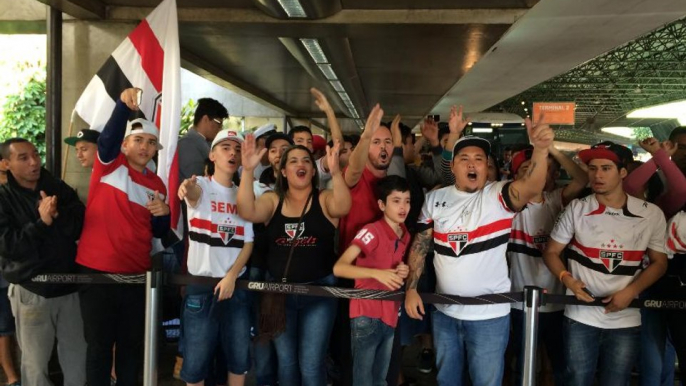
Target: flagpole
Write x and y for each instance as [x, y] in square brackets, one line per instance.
[66, 153]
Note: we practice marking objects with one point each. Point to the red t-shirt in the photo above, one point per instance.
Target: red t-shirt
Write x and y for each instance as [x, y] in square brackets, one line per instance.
[365, 209]
[381, 249]
[117, 230]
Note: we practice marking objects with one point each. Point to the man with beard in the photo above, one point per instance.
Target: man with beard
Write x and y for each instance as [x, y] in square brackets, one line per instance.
[470, 224]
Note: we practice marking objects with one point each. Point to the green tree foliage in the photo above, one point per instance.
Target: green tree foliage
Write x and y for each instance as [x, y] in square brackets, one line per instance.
[642, 133]
[187, 114]
[23, 113]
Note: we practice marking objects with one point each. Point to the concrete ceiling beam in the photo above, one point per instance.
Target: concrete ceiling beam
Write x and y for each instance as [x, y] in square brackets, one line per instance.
[80, 9]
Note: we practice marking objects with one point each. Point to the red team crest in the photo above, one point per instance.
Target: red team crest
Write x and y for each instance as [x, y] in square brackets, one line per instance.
[457, 241]
[226, 232]
[611, 259]
[291, 230]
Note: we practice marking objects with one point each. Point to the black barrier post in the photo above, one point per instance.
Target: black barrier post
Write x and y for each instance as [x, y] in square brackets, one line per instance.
[532, 301]
[154, 280]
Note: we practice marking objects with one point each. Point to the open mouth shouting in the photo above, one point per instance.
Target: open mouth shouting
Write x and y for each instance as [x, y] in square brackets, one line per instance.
[301, 173]
[472, 176]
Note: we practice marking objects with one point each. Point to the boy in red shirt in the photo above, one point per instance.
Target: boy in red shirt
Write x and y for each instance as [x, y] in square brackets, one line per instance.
[377, 252]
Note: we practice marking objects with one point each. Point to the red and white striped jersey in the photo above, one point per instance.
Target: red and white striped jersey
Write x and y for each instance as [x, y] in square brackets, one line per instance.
[471, 231]
[605, 249]
[117, 228]
[216, 233]
[675, 243]
[530, 232]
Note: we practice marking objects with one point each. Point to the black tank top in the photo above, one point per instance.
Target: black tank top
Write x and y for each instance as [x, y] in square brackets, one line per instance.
[313, 256]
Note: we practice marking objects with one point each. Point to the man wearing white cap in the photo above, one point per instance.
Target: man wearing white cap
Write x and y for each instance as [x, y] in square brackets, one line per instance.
[220, 243]
[125, 210]
[261, 134]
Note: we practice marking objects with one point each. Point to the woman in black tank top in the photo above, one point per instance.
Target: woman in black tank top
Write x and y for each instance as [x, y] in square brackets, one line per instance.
[301, 348]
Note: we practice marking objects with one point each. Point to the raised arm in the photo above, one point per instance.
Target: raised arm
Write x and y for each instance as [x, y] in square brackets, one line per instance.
[324, 105]
[397, 165]
[109, 142]
[256, 211]
[456, 123]
[338, 200]
[674, 197]
[524, 189]
[358, 158]
[579, 176]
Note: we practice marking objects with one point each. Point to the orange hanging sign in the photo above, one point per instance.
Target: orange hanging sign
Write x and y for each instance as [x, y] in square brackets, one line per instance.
[554, 113]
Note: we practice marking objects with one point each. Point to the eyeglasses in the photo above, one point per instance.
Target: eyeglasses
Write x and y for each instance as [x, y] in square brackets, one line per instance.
[219, 121]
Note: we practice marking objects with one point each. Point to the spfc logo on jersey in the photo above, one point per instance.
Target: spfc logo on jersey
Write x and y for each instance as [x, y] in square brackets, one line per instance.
[292, 232]
[540, 241]
[457, 241]
[226, 232]
[611, 259]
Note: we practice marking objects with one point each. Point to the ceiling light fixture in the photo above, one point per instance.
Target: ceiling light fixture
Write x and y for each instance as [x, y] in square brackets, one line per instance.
[626, 132]
[315, 50]
[293, 8]
[319, 57]
[327, 70]
[673, 110]
[482, 130]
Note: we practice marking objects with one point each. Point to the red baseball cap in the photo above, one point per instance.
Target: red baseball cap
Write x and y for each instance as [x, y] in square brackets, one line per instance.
[318, 143]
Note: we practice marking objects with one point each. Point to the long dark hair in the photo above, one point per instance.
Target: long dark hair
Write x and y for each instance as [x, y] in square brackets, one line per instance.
[281, 186]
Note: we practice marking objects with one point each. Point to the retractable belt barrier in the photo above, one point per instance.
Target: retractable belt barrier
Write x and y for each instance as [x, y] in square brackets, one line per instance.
[346, 293]
[532, 298]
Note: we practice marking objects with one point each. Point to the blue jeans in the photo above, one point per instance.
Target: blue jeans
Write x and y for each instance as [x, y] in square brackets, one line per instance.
[372, 345]
[207, 322]
[612, 351]
[301, 349]
[549, 334]
[481, 342]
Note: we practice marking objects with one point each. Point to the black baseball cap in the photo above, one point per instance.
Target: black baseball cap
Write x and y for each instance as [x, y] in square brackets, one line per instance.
[471, 140]
[87, 135]
[277, 135]
[616, 153]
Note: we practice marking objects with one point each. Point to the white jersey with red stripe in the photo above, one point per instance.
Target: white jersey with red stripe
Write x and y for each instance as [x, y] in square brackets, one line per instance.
[606, 246]
[471, 231]
[216, 234]
[675, 242]
[530, 232]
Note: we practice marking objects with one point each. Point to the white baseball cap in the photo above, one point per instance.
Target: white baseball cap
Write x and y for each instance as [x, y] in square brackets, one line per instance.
[267, 129]
[146, 127]
[226, 135]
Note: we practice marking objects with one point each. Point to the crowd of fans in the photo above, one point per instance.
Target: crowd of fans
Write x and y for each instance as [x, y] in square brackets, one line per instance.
[381, 210]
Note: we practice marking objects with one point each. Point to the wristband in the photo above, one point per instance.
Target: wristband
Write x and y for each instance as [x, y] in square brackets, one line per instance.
[563, 274]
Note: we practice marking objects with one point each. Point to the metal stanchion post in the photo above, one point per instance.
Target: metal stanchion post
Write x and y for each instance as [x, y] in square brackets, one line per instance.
[532, 301]
[153, 288]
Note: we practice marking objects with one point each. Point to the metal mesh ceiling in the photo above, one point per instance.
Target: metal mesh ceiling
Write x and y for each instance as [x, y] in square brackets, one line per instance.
[647, 71]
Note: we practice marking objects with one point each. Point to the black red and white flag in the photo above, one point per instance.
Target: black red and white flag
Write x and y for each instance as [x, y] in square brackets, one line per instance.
[149, 59]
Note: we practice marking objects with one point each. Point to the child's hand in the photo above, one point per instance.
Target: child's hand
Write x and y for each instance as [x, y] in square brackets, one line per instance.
[402, 270]
[389, 278]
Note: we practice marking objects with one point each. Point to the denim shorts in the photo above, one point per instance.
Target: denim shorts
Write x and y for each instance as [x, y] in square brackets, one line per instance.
[6, 318]
[207, 322]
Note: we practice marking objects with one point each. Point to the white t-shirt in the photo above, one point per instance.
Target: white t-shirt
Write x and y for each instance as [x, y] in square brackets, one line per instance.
[530, 231]
[606, 246]
[471, 231]
[215, 231]
[675, 241]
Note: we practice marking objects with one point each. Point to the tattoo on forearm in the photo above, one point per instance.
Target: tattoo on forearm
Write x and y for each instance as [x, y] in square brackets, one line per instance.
[420, 247]
[514, 193]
